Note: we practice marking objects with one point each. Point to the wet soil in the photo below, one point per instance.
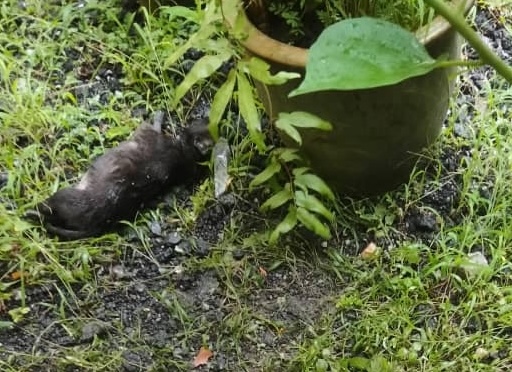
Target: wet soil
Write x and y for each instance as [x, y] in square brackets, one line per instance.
[158, 307]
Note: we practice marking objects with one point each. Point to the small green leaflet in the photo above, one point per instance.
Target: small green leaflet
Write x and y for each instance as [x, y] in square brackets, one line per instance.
[180, 11]
[6, 324]
[289, 129]
[120, 131]
[266, 174]
[287, 155]
[278, 199]
[202, 69]
[259, 70]
[313, 182]
[287, 122]
[360, 53]
[312, 204]
[303, 119]
[249, 112]
[311, 222]
[285, 225]
[220, 101]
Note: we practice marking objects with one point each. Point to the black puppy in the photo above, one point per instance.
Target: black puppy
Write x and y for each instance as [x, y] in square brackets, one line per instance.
[124, 180]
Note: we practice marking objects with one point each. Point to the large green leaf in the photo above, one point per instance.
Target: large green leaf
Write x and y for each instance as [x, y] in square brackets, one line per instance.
[361, 53]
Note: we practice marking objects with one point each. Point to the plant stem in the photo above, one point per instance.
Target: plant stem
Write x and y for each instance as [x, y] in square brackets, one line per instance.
[458, 63]
[459, 23]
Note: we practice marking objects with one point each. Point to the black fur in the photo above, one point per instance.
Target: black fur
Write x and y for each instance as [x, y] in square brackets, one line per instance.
[123, 180]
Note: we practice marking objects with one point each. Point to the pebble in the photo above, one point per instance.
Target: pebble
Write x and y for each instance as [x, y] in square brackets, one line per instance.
[183, 247]
[119, 272]
[476, 263]
[156, 228]
[91, 329]
[132, 362]
[238, 254]
[424, 222]
[202, 247]
[174, 238]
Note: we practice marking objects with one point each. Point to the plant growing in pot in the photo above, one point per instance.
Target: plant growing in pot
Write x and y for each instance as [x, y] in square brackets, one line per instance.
[383, 97]
[356, 163]
[377, 86]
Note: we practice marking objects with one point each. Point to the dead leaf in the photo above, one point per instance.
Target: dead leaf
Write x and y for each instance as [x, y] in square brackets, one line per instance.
[370, 252]
[202, 357]
[262, 272]
[15, 275]
[15, 249]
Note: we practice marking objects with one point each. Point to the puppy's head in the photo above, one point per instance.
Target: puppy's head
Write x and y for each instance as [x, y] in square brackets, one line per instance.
[199, 137]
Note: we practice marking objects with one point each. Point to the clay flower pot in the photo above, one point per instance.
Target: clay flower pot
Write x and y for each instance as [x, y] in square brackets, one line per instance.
[377, 133]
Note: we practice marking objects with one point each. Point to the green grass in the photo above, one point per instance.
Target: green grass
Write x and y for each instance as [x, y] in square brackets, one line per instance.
[304, 305]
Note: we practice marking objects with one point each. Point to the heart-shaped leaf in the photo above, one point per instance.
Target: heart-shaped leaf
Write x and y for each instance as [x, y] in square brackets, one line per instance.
[361, 53]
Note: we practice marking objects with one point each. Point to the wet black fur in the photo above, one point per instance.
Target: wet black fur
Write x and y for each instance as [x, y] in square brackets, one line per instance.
[123, 180]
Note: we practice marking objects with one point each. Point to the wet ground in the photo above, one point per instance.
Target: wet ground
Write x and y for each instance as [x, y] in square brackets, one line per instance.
[161, 295]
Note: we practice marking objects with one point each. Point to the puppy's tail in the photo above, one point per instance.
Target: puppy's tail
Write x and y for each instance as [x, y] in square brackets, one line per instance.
[67, 234]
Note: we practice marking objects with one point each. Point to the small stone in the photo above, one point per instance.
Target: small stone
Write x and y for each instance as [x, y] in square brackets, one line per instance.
[177, 352]
[424, 222]
[178, 270]
[202, 247]
[228, 200]
[92, 329]
[174, 238]
[475, 263]
[183, 247]
[371, 251]
[119, 272]
[481, 353]
[155, 228]
[238, 254]
[132, 362]
[139, 287]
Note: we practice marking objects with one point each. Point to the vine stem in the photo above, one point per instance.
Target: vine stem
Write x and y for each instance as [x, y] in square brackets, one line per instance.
[459, 23]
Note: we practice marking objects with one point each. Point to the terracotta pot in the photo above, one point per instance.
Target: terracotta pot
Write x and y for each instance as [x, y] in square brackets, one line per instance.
[378, 133]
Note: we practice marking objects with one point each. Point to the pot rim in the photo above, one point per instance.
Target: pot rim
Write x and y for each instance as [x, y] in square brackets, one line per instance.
[271, 49]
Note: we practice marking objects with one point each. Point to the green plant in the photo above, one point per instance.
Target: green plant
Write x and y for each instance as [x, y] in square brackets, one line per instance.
[218, 51]
[378, 53]
[294, 186]
[296, 16]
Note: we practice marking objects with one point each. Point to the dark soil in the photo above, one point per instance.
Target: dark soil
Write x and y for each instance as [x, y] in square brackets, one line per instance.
[160, 307]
